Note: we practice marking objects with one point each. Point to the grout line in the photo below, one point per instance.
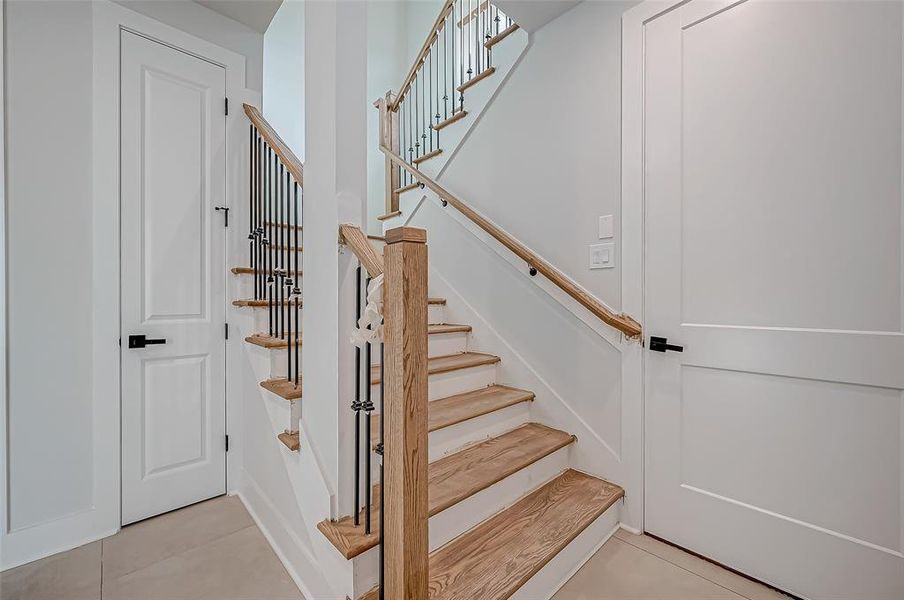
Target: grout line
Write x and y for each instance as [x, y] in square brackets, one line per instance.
[683, 568]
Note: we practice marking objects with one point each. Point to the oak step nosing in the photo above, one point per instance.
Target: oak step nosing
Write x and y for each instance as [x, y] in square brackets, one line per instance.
[448, 363]
[476, 79]
[501, 36]
[283, 388]
[271, 342]
[250, 303]
[428, 156]
[250, 271]
[470, 405]
[389, 215]
[456, 117]
[407, 188]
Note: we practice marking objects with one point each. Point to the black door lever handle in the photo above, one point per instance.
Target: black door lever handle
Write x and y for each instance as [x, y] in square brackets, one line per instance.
[661, 344]
[140, 341]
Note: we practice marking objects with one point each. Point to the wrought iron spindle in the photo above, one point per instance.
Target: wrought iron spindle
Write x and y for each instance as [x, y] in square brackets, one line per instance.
[268, 224]
[356, 405]
[297, 290]
[368, 409]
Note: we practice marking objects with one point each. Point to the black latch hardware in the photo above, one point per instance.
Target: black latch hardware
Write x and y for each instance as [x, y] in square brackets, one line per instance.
[140, 341]
[660, 344]
[225, 213]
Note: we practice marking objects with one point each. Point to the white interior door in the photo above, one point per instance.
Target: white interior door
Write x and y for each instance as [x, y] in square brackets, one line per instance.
[173, 278]
[773, 200]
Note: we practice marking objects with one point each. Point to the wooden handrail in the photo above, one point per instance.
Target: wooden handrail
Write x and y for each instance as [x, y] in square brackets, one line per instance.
[288, 158]
[622, 322]
[354, 238]
[425, 49]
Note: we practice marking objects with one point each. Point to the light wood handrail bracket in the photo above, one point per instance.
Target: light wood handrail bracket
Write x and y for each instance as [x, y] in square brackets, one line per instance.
[621, 322]
[354, 238]
[288, 158]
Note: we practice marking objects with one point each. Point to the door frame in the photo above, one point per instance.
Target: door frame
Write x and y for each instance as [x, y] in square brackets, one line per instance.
[109, 21]
[632, 223]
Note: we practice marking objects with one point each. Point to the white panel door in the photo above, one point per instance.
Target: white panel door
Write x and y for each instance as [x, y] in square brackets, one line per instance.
[773, 202]
[173, 278]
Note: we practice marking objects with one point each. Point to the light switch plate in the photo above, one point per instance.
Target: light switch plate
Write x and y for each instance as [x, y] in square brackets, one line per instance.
[602, 256]
[606, 227]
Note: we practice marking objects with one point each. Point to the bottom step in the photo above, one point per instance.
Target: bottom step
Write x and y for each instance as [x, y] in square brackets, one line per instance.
[501, 554]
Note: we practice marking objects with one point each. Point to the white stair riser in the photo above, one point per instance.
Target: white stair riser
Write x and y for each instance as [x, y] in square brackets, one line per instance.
[262, 318]
[438, 344]
[435, 314]
[554, 574]
[441, 385]
[467, 433]
[469, 513]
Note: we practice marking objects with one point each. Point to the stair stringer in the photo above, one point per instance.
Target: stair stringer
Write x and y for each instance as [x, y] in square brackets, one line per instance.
[311, 562]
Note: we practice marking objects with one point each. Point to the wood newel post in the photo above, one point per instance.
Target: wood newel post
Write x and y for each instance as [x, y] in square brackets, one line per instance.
[405, 434]
[389, 137]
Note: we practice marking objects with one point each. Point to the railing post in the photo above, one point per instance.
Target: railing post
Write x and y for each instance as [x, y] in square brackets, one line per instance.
[405, 444]
[389, 137]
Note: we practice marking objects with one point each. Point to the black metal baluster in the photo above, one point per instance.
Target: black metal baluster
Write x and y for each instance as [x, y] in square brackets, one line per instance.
[430, 96]
[297, 290]
[258, 233]
[356, 405]
[382, 453]
[368, 409]
[446, 30]
[269, 227]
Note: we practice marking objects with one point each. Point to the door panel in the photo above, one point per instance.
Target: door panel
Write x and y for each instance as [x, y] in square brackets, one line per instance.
[173, 278]
[773, 201]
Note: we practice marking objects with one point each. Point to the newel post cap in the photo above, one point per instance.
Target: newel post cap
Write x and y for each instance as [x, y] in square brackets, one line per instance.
[406, 234]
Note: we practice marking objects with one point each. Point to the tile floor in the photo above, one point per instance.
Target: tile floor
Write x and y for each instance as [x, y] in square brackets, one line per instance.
[214, 551]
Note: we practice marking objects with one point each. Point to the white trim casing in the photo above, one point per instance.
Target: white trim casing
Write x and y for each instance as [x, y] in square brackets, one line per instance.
[632, 215]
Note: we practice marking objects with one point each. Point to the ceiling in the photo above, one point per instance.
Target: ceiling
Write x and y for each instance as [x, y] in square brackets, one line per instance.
[256, 14]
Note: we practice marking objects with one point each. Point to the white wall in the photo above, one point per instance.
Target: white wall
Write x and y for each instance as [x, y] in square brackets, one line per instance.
[284, 74]
[208, 25]
[48, 55]
[62, 468]
[545, 164]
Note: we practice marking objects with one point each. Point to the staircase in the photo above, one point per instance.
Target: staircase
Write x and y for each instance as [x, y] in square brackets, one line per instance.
[503, 503]
[460, 491]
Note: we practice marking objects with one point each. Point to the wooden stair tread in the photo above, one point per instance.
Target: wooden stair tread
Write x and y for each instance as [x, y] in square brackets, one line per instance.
[452, 410]
[389, 215]
[501, 36]
[427, 156]
[494, 559]
[283, 388]
[290, 440]
[283, 225]
[289, 248]
[436, 301]
[265, 340]
[476, 79]
[445, 364]
[250, 271]
[249, 303]
[438, 328]
[407, 188]
[458, 476]
[456, 117]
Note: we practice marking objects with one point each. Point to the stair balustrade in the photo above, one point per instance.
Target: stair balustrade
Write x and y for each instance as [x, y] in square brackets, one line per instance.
[457, 53]
[275, 202]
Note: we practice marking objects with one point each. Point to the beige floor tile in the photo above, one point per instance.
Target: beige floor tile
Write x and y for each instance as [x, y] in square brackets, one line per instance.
[239, 566]
[72, 575]
[736, 583]
[142, 544]
[620, 571]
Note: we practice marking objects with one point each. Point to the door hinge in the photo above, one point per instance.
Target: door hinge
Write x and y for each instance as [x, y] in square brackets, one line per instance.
[227, 443]
[225, 214]
[226, 104]
[226, 329]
